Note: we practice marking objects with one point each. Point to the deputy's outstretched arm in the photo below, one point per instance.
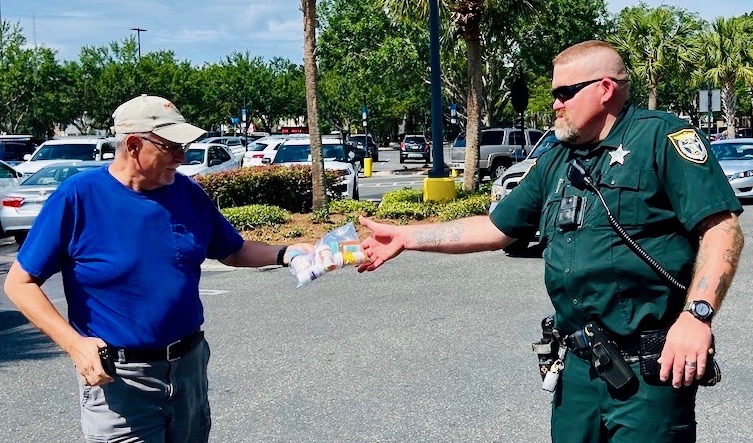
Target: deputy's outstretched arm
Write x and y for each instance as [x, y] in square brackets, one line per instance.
[454, 237]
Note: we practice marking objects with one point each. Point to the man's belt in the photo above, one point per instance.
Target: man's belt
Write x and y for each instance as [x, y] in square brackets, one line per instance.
[173, 351]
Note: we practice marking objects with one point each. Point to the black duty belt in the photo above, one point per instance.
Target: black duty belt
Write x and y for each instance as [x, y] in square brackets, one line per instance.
[632, 348]
[173, 351]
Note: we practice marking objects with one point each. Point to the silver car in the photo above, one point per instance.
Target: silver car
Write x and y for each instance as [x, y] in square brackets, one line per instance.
[736, 159]
[22, 204]
[505, 183]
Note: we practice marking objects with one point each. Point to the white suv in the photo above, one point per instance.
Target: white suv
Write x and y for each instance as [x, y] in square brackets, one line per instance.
[53, 151]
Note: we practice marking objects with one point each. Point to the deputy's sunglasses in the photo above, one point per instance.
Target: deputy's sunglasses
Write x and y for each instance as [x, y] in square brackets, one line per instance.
[565, 93]
[167, 149]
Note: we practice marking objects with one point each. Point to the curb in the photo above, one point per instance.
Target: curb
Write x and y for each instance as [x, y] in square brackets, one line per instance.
[399, 172]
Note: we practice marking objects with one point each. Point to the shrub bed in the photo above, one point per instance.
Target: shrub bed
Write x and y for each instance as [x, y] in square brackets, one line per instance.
[250, 217]
[286, 187]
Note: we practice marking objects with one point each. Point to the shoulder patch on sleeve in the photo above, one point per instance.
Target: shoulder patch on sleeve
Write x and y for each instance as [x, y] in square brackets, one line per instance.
[689, 145]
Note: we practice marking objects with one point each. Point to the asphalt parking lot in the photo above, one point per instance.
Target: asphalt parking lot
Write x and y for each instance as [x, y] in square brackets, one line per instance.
[430, 348]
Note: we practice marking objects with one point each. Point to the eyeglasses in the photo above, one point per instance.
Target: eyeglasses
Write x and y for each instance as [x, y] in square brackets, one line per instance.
[565, 93]
[171, 149]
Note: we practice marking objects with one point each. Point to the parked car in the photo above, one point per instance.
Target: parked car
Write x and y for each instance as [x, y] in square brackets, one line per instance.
[337, 156]
[22, 204]
[265, 147]
[9, 177]
[52, 151]
[415, 146]
[253, 136]
[236, 144]
[504, 184]
[13, 148]
[207, 158]
[736, 159]
[499, 148]
[358, 140]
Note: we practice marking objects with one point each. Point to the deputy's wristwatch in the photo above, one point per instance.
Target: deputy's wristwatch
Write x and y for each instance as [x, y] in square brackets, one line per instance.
[700, 309]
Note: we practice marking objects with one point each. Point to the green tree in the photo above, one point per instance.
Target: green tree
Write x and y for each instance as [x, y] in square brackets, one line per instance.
[366, 57]
[656, 42]
[728, 50]
[466, 18]
[29, 78]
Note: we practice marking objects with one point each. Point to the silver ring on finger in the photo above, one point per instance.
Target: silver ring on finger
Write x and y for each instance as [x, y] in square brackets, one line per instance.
[690, 364]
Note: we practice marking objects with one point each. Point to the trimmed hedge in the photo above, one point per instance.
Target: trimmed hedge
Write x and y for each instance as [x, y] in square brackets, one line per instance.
[407, 204]
[351, 207]
[250, 217]
[286, 187]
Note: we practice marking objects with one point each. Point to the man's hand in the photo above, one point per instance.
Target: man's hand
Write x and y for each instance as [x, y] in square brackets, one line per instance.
[85, 355]
[297, 248]
[686, 350]
[384, 243]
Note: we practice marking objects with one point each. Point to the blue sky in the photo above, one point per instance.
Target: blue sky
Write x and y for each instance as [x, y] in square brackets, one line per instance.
[208, 30]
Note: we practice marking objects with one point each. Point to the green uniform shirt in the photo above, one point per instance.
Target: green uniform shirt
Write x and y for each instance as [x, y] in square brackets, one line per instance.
[659, 179]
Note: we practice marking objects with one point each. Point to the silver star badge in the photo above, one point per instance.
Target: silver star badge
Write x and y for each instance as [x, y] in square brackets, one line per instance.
[618, 156]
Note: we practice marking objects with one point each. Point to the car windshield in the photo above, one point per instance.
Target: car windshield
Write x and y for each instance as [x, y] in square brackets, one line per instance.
[54, 175]
[544, 145]
[195, 157]
[415, 140]
[78, 151]
[733, 151]
[302, 153]
[359, 139]
[459, 141]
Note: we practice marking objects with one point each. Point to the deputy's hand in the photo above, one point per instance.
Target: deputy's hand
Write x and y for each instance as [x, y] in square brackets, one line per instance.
[384, 243]
[85, 355]
[686, 350]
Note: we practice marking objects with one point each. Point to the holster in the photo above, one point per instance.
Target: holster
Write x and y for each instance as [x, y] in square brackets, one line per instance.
[606, 358]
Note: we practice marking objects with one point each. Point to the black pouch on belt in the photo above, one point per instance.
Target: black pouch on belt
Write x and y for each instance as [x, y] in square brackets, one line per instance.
[651, 345]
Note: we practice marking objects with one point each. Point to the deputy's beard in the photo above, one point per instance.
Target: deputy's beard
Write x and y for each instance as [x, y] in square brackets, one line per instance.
[564, 131]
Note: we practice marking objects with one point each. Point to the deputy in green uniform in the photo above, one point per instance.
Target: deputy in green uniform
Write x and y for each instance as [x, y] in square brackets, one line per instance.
[665, 189]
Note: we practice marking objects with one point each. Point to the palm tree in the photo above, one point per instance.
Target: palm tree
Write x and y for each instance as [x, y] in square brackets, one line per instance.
[309, 66]
[466, 17]
[655, 43]
[728, 49]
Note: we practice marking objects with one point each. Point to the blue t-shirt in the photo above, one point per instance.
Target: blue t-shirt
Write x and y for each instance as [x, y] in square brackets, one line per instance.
[130, 260]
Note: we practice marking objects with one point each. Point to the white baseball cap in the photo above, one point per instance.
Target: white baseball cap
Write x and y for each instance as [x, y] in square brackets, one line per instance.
[148, 113]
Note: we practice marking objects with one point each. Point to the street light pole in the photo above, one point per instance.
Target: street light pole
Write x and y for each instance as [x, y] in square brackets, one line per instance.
[138, 38]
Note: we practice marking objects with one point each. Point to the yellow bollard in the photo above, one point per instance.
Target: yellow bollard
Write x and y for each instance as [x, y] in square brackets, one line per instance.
[439, 189]
[367, 167]
[454, 173]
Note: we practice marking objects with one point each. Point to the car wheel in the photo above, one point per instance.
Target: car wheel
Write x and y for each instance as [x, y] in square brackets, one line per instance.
[497, 169]
[20, 237]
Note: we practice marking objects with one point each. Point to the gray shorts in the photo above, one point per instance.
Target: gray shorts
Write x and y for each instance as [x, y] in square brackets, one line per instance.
[150, 402]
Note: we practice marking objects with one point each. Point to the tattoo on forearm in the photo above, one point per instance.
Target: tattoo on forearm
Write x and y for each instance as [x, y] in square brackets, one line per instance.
[703, 284]
[724, 282]
[452, 232]
[701, 258]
